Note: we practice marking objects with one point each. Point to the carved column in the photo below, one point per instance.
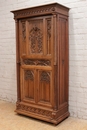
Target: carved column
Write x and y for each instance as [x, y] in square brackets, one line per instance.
[55, 61]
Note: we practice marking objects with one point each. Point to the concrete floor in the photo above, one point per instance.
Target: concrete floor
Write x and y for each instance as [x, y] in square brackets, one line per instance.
[9, 120]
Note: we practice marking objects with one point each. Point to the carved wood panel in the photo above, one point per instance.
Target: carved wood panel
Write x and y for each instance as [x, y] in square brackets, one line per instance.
[22, 37]
[49, 24]
[29, 75]
[45, 76]
[37, 62]
[44, 86]
[24, 30]
[34, 110]
[36, 36]
[34, 12]
[36, 39]
[33, 41]
[28, 85]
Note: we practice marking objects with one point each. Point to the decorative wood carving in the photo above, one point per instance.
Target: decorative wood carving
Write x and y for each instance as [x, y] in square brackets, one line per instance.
[48, 36]
[49, 28]
[29, 62]
[29, 75]
[24, 30]
[34, 11]
[45, 76]
[36, 39]
[37, 62]
[34, 110]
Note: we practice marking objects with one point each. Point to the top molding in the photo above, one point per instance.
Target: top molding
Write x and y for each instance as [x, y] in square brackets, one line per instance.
[52, 8]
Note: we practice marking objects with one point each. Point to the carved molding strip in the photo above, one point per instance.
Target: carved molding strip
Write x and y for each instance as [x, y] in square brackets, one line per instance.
[36, 39]
[37, 62]
[34, 11]
[49, 28]
[45, 76]
[29, 75]
[24, 31]
[34, 110]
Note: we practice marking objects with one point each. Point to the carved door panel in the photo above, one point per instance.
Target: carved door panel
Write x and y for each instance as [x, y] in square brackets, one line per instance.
[44, 97]
[35, 37]
[28, 89]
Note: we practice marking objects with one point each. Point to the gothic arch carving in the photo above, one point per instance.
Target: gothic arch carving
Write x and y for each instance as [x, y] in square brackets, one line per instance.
[36, 39]
[29, 75]
[45, 76]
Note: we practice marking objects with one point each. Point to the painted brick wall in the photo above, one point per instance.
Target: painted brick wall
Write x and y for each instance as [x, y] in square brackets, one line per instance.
[78, 57]
[77, 51]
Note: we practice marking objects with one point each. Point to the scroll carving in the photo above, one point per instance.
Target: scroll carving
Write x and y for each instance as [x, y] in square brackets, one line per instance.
[45, 76]
[37, 62]
[24, 31]
[29, 75]
[36, 39]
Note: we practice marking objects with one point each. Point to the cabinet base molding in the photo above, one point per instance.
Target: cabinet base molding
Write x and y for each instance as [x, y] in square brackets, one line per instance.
[43, 113]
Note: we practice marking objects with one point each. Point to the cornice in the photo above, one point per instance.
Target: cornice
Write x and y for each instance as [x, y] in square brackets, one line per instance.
[39, 10]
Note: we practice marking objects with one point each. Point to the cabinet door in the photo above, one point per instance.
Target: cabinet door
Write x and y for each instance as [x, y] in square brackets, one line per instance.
[28, 89]
[35, 37]
[44, 87]
[36, 44]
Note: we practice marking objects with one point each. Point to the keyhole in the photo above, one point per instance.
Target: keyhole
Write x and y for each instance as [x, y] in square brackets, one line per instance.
[62, 61]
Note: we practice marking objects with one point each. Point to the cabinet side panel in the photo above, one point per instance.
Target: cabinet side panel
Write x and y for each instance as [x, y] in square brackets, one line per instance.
[63, 60]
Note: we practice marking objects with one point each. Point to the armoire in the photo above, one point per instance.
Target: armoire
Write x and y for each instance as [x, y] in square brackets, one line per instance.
[42, 58]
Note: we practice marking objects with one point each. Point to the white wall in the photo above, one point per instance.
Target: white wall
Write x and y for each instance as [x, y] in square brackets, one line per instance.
[77, 47]
[78, 57]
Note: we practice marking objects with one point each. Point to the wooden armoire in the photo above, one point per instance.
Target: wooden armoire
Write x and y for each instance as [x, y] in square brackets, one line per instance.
[42, 62]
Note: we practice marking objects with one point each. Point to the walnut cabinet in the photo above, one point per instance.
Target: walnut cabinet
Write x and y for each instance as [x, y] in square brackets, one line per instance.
[42, 62]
